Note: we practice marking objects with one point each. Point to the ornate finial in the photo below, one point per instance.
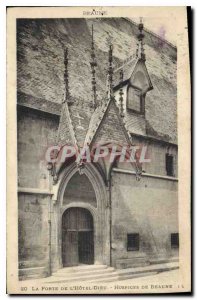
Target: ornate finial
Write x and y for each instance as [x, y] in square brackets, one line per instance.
[140, 46]
[109, 39]
[66, 78]
[66, 75]
[121, 93]
[93, 64]
[110, 72]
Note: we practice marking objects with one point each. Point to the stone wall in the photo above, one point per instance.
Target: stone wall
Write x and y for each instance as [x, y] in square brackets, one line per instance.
[33, 235]
[155, 151]
[36, 131]
[148, 207]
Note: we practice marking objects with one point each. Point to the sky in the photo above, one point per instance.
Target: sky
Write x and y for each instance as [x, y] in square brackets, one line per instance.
[168, 22]
[167, 30]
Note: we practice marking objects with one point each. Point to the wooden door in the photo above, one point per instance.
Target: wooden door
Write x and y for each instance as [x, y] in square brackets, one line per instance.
[70, 249]
[86, 247]
[77, 237]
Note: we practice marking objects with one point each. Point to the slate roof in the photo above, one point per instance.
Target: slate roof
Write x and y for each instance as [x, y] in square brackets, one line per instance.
[80, 116]
[40, 68]
[39, 104]
[66, 131]
[127, 67]
[95, 121]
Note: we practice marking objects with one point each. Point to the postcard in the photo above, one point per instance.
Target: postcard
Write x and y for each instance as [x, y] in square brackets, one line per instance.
[98, 150]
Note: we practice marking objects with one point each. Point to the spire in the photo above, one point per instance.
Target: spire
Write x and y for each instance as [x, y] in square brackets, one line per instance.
[140, 46]
[121, 93]
[93, 64]
[66, 78]
[110, 72]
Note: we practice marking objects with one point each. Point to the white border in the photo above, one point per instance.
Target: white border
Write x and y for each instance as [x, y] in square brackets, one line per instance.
[3, 5]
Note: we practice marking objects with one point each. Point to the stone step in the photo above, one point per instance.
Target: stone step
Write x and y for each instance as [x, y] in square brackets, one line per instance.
[136, 272]
[80, 269]
[84, 272]
[81, 277]
[132, 276]
[150, 268]
[123, 277]
[107, 274]
[110, 278]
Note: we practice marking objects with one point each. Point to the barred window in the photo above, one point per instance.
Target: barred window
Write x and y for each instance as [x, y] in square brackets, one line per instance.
[169, 165]
[174, 240]
[133, 242]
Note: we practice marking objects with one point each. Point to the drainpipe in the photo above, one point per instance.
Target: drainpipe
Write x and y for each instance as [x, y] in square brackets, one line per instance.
[49, 243]
[110, 220]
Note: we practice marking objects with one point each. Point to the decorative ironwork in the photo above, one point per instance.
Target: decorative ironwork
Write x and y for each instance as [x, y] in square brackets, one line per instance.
[140, 53]
[110, 72]
[67, 97]
[121, 93]
[93, 65]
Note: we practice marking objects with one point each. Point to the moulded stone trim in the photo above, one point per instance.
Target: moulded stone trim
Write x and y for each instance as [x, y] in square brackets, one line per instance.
[101, 214]
[145, 174]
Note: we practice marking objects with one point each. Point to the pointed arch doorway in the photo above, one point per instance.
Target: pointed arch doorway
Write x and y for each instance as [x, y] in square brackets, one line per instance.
[88, 192]
[77, 237]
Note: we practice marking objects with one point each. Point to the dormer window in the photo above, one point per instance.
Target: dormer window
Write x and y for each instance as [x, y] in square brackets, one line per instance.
[139, 80]
[135, 100]
[133, 84]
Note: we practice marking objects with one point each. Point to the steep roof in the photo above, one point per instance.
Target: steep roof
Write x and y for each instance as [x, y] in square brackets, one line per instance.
[99, 117]
[127, 67]
[80, 116]
[66, 131]
[40, 67]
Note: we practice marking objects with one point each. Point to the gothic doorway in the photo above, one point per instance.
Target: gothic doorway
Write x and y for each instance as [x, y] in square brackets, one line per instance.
[77, 198]
[77, 237]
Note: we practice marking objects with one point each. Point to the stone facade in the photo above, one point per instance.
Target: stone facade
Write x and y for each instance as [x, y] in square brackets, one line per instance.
[140, 212]
[119, 204]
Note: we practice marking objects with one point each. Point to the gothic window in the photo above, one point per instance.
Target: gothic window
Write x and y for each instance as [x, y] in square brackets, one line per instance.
[133, 242]
[136, 92]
